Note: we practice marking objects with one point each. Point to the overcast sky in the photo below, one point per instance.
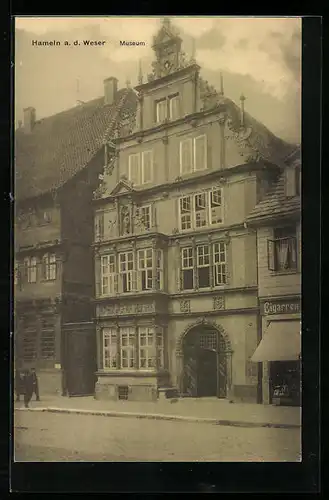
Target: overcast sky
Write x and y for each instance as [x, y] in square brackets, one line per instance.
[260, 57]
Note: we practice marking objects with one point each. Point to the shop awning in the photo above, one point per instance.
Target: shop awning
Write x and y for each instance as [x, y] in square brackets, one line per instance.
[281, 342]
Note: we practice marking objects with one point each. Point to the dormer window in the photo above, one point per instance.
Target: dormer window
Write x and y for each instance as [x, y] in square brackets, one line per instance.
[292, 181]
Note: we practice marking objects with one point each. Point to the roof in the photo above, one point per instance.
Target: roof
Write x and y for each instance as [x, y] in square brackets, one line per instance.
[62, 145]
[276, 203]
[256, 137]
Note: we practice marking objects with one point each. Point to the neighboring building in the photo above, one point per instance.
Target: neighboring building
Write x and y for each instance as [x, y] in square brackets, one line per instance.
[58, 161]
[176, 268]
[277, 220]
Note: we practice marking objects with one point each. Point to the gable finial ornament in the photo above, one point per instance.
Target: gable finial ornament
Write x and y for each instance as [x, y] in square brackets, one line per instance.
[221, 84]
[242, 99]
[140, 73]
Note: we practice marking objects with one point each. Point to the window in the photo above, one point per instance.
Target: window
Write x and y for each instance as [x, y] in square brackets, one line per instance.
[199, 210]
[29, 340]
[143, 216]
[282, 251]
[128, 343]
[151, 352]
[186, 158]
[47, 342]
[134, 168]
[187, 268]
[141, 167]
[30, 269]
[203, 266]
[147, 348]
[200, 205]
[292, 181]
[200, 152]
[216, 206]
[220, 273]
[161, 110]
[108, 274]
[123, 392]
[110, 348]
[147, 166]
[159, 348]
[99, 226]
[127, 272]
[49, 267]
[193, 158]
[185, 205]
[174, 111]
[145, 268]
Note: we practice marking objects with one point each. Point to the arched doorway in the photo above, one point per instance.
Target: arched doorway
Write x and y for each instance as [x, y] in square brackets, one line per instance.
[205, 362]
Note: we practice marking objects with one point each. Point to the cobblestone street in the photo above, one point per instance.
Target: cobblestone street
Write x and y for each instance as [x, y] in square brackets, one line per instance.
[62, 437]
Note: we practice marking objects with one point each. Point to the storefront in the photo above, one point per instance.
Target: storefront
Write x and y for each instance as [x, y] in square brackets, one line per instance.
[280, 351]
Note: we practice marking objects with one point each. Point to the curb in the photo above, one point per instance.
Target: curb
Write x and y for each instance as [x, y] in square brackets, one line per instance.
[159, 416]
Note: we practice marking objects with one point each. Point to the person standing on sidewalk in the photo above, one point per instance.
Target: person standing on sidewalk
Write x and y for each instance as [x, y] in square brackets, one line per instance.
[28, 387]
[35, 384]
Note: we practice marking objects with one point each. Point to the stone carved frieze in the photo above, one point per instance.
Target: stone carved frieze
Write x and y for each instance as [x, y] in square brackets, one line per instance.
[124, 309]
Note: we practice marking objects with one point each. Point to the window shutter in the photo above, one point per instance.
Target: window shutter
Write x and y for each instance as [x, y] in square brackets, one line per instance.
[290, 182]
[153, 222]
[200, 152]
[186, 156]
[98, 276]
[271, 254]
[134, 168]
[147, 166]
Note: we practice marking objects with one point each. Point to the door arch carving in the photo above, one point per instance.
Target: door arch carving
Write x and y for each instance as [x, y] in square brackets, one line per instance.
[205, 354]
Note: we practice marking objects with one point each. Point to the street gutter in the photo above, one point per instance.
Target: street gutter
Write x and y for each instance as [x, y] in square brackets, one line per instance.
[156, 416]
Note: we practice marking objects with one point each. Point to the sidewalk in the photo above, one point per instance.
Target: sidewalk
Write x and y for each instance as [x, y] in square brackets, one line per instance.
[206, 410]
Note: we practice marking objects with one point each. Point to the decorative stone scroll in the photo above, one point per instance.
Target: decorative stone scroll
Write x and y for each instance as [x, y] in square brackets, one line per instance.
[218, 303]
[185, 306]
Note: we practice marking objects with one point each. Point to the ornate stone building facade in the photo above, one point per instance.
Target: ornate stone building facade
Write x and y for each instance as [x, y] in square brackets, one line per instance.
[175, 264]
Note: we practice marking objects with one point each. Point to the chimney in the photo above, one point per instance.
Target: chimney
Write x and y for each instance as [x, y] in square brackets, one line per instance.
[110, 90]
[29, 119]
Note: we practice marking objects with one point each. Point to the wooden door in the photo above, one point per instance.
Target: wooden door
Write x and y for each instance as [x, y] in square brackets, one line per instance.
[80, 360]
[191, 372]
[207, 373]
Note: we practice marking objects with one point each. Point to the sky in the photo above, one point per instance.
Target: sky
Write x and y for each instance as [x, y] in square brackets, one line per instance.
[259, 57]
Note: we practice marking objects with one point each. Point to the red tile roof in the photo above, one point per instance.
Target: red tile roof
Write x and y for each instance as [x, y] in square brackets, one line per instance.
[62, 145]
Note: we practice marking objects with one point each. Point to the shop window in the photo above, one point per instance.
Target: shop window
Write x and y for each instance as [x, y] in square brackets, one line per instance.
[282, 250]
